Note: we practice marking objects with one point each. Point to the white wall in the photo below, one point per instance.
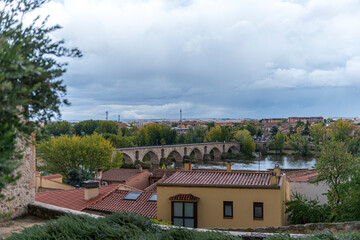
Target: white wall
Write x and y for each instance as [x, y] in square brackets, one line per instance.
[310, 190]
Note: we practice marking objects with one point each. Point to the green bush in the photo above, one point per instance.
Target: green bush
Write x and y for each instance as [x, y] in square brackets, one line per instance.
[303, 210]
[114, 226]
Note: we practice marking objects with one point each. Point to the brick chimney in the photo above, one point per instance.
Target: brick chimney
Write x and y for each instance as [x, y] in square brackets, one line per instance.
[187, 166]
[91, 189]
[228, 167]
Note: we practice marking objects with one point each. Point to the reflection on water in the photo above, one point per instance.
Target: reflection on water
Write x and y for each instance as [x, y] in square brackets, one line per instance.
[264, 163]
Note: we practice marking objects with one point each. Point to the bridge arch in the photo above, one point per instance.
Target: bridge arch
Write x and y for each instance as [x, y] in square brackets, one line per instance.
[127, 159]
[198, 154]
[154, 159]
[178, 157]
[216, 152]
[233, 149]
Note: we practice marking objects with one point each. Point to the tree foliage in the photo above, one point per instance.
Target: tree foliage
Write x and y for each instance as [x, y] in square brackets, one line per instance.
[278, 141]
[299, 142]
[59, 128]
[248, 146]
[240, 135]
[302, 210]
[218, 134]
[336, 166]
[153, 133]
[30, 84]
[64, 153]
[341, 130]
[318, 133]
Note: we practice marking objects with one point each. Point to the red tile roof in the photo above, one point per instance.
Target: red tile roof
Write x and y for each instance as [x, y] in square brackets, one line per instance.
[51, 176]
[152, 187]
[184, 197]
[159, 173]
[219, 178]
[72, 199]
[305, 175]
[115, 203]
[119, 175]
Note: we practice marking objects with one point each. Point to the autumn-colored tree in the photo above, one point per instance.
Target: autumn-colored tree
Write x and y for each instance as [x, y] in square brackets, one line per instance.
[60, 155]
[318, 134]
[341, 130]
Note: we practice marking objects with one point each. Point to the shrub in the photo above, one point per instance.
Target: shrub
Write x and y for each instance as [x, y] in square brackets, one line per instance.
[303, 210]
[114, 226]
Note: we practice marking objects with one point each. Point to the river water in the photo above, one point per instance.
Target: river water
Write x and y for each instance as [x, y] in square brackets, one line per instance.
[264, 163]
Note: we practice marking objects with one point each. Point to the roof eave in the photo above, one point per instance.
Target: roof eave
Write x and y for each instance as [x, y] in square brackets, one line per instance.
[220, 185]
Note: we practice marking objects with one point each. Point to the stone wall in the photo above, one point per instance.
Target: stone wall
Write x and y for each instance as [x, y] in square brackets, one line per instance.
[308, 228]
[24, 190]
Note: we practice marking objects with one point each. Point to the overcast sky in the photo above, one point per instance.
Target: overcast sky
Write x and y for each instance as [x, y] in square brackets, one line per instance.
[211, 58]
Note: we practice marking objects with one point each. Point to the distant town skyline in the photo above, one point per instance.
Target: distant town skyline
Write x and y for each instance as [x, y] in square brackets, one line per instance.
[212, 59]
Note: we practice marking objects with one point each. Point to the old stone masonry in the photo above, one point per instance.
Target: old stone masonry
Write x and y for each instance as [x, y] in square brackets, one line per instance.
[23, 192]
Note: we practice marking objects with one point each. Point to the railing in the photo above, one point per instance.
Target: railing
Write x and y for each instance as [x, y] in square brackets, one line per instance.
[176, 145]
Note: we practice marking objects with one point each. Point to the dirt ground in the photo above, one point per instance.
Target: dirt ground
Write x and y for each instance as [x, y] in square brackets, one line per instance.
[18, 224]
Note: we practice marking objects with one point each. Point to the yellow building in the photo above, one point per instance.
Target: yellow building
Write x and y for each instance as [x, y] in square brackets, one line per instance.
[50, 183]
[222, 199]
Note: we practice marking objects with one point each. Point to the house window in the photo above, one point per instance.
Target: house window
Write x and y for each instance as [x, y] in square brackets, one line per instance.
[258, 210]
[228, 209]
[184, 214]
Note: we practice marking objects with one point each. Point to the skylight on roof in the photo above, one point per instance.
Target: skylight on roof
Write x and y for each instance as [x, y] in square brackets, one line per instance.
[132, 196]
[153, 198]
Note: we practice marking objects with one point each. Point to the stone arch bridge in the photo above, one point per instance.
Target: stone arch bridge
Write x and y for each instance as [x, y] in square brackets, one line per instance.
[200, 151]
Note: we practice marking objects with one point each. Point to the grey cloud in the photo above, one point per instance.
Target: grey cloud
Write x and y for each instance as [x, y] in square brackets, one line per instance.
[236, 58]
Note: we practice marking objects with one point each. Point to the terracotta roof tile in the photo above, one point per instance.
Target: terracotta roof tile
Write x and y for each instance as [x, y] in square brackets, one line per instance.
[119, 175]
[304, 175]
[184, 197]
[72, 199]
[159, 173]
[220, 178]
[115, 203]
[152, 187]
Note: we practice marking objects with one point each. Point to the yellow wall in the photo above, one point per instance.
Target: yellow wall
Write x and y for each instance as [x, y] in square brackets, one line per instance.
[55, 183]
[210, 205]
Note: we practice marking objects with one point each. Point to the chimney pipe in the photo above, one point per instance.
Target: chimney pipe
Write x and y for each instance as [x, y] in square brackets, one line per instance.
[228, 167]
[273, 179]
[91, 189]
[277, 170]
[187, 166]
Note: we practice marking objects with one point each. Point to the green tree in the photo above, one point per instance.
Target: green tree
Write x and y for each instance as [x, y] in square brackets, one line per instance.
[317, 132]
[59, 128]
[341, 130]
[248, 146]
[240, 135]
[274, 131]
[119, 141]
[107, 127]
[298, 142]
[153, 133]
[302, 210]
[251, 128]
[30, 86]
[86, 127]
[64, 153]
[278, 141]
[76, 177]
[195, 135]
[336, 166]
